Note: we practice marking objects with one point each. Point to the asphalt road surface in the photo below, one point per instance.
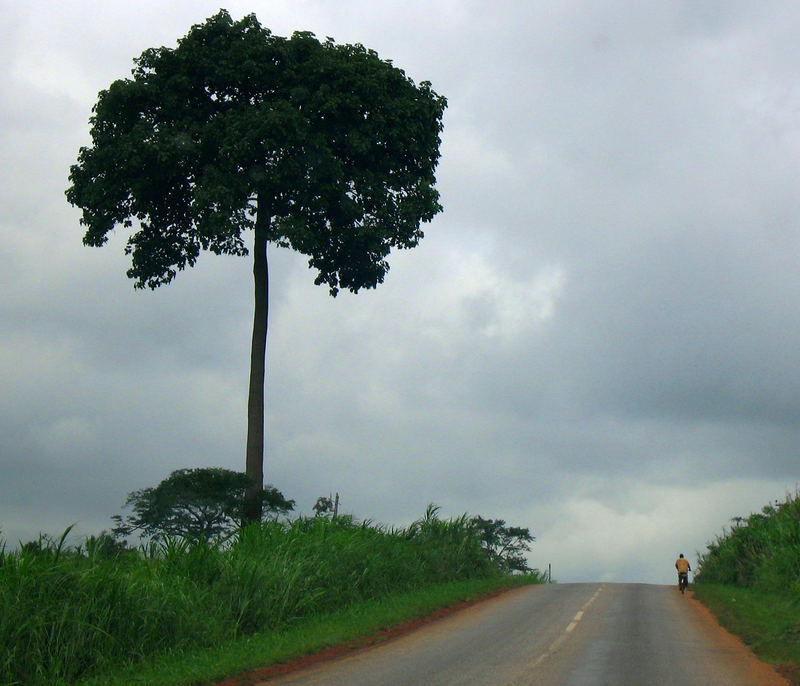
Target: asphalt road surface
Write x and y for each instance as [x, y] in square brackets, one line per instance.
[558, 635]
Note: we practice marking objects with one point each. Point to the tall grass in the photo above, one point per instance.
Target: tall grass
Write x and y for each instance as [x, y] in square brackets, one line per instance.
[761, 551]
[67, 613]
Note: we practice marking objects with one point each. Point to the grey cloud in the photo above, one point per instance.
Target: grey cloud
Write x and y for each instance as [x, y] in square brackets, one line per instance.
[600, 330]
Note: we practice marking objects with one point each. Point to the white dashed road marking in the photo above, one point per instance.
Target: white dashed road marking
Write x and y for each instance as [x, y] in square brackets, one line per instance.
[575, 620]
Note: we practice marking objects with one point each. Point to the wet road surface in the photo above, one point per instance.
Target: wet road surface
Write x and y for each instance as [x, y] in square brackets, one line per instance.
[558, 635]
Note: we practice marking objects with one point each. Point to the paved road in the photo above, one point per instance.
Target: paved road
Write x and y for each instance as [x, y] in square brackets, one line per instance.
[558, 635]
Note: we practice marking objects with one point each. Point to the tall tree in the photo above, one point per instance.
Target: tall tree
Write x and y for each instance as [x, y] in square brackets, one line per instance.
[319, 147]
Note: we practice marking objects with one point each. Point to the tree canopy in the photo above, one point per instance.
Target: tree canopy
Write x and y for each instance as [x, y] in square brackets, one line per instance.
[201, 504]
[336, 147]
[504, 545]
[323, 148]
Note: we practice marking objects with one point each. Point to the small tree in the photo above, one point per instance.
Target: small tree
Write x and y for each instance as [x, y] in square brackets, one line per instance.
[504, 545]
[105, 546]
[200, 504]
[322, 148]
[323, 507]
[326, 505]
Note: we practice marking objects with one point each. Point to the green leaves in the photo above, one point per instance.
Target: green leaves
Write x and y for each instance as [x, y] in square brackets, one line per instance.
[201, 504]
[504, 545]
[322, 148]
[340, 145]
[69, 614]
[759, 551]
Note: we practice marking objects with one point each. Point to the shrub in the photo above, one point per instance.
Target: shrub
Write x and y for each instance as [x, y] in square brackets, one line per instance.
[69, 612]
[760, 551]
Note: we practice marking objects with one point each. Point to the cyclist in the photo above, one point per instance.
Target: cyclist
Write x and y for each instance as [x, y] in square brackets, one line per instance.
[683, 567]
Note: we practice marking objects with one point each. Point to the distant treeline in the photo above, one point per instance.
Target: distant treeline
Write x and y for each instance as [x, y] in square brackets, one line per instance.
[761, 551]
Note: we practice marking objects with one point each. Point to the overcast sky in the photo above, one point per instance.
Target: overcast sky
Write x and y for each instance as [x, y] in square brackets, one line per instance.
[597, 339]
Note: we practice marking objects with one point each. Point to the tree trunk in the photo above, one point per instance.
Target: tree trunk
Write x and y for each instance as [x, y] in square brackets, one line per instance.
[254, 462]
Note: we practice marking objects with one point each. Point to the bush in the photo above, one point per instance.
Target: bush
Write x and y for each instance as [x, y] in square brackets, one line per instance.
[760, 551]
[67, 613]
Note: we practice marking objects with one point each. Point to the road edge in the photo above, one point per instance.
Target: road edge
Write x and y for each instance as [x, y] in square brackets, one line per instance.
[356, 645]
[761, 672]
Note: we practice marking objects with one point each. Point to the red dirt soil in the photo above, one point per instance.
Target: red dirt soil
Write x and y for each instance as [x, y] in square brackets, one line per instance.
[760, 672]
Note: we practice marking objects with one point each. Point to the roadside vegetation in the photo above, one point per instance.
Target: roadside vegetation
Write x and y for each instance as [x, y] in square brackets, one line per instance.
[102, 612]
[750, 579]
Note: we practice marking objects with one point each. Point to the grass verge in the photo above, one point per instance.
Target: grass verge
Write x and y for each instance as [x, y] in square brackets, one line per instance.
[768, 622]
[360, 622]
